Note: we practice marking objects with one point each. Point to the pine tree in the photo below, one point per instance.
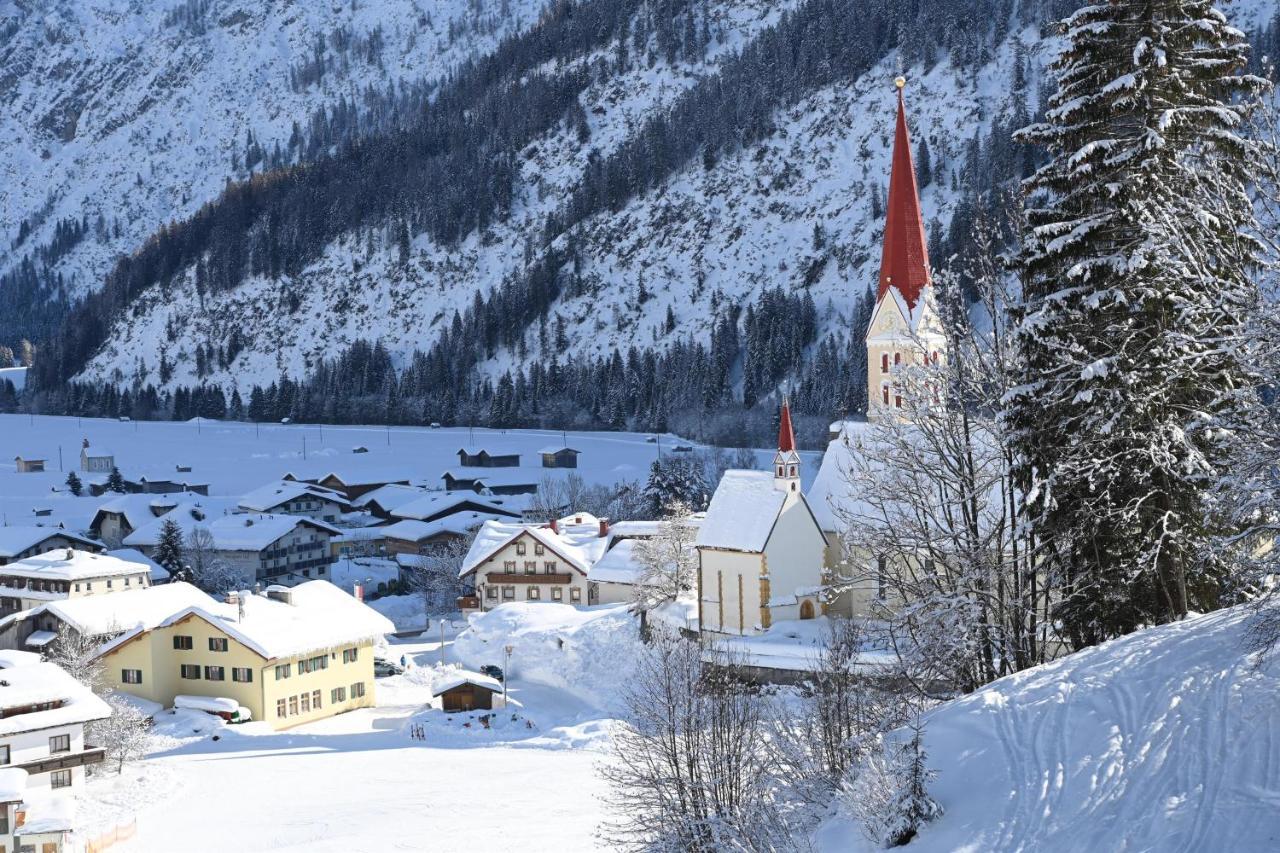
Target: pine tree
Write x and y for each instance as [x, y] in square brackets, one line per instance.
[1137, 266]
[115, 481]
[169, 550]
[73, 484]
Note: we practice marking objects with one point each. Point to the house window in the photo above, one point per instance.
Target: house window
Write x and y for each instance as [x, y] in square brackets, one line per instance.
[60, 743]
[4, 754]
[337, 694]
[60, 779]
[77, 587]
[557, 594]
[490, 592]
[131, 676]
[538, 550]
[897, 359]
[357, 690]
[508, 593]
[532, 593]
[897, 401]
[242, 674]
[520, 548]
[109, 584]
[350, 655]
[280, 709]
[575, 595]
[306, 703]
[550, 566]
[508, 565]
[531, 566]
[215, 673]
[293, 706]
[283, 670]
[884, 362]
[884, 393]
[191, 671]
[217, 644]
[182, 642]
[315, 699]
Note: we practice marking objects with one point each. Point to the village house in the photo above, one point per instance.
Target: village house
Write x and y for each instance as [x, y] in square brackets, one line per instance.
[352, 485]
[65, 573]
[120, 516]
[32, 820]
[480, 457]
[491, 482]
[43, 714]
[96, 460]
[382, 501]
[263, 548]
[529, 562]
[559, 457]
[291, 497]
[760, 548]
[613, 578]
[289, 655]
[18, 543]
[437, 505]
[28, 464]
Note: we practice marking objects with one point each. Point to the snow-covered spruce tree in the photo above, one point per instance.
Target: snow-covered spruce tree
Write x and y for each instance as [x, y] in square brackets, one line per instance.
[1138, 267]
[74, 485]
[169, 550]
[115, 481]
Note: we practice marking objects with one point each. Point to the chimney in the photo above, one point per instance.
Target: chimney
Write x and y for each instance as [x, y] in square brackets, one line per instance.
[604, 527]
[554, 525]
[233, 597]
[85, 443]
[70, 555]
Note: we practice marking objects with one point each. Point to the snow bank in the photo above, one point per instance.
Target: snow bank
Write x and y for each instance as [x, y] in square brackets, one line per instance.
[1162, 740]
[588, 652]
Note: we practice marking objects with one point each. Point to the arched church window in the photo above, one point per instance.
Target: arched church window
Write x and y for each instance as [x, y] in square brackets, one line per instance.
[884, 362]
[897, 400]
[897, 359]
[884, 393]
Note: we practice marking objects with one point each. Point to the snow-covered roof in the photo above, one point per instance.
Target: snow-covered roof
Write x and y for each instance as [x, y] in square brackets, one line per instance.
[241, 532]
[459, 677]
[48, 814]
[742, 512]
[620, 564]
[107, 615]
[579, 544]
[416, 531]
[434, 503]
[552, 448]
[497, 476]
[37, 683]
[188, 515]
[68, 564]
[137, 510]
[15, 540]
[491, 451]
[95, 452]
[391, 496]
[40, 639]
[831, 492]
[272, 495]
[14, 657]
[159, 574]
[318, 615]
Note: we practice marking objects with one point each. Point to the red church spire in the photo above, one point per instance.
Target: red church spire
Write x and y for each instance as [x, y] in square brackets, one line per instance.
[786, 435]
[905, 259]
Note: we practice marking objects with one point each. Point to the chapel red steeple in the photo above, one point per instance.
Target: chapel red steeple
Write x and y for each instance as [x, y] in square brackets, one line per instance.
[786, 435]
[904, 262]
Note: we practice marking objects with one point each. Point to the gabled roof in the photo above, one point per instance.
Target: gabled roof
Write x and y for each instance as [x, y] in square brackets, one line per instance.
[94, 452]
[556, 449]
[489, 451]
[36, 683]
[272, 495]
[108, 615]
[391, 496]
[579, 545]
[459, 677]
[15, 540]
[77, 565]
[904, 261]
[496, 476]
[434, 503]
[742, 512]
[137, 510]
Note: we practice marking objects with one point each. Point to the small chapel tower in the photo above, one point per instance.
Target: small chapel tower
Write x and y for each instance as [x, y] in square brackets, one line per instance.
[904, 328]
[786, 463]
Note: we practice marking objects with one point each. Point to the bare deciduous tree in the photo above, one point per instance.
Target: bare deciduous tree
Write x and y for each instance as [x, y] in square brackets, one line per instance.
[125, 734]
[433, 575]
[668, 561]
[78, 655]
[209, 570]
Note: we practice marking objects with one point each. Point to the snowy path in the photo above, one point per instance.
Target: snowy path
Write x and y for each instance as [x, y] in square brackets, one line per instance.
[1161, 741]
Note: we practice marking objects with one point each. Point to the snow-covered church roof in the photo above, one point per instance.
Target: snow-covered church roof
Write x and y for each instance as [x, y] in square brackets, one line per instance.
[742, 512]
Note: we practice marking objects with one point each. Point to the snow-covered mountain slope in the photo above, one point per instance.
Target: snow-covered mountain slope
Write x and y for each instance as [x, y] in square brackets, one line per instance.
[1162, 740]
[794, 208]
[139, 111]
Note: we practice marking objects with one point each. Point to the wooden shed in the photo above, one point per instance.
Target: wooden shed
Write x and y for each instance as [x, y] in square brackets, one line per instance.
[463, 690]
[559, 457]
[28, 466]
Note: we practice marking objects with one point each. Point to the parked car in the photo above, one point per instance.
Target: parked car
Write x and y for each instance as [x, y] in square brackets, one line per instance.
[385, 668]
[492, 671]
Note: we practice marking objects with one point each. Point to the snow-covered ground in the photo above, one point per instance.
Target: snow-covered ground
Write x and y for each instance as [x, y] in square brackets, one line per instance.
[234, 458]
[364, 780]
[1162, 740]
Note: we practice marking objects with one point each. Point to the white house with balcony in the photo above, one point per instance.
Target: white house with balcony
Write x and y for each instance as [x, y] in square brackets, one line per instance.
[534, 562]
[66, 573]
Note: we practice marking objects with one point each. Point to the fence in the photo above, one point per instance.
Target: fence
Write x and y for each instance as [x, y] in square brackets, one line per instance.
[106, 840]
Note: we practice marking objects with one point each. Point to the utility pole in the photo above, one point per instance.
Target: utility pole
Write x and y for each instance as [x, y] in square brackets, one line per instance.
[441, 621]
[59, 458]
[304, 447]
[506, 672]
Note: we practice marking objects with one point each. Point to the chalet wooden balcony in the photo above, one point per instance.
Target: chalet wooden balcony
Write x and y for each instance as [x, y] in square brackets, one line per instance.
[497, 578]
[65, 760]
[469, 602]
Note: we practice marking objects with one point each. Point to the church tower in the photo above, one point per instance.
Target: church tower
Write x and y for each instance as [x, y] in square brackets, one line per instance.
[904, 328]
[786, 463]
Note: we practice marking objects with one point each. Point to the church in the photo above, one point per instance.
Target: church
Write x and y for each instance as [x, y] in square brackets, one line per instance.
[767, 551]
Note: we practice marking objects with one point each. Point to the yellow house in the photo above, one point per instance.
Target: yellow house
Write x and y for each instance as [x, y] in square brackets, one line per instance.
[290, 656]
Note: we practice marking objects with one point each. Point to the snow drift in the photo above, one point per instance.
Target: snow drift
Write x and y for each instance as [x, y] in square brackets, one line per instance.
[589, 653]
[1162, 740]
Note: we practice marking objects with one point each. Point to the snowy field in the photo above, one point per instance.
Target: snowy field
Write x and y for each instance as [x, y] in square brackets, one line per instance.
[234, 458]
[363, 782]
